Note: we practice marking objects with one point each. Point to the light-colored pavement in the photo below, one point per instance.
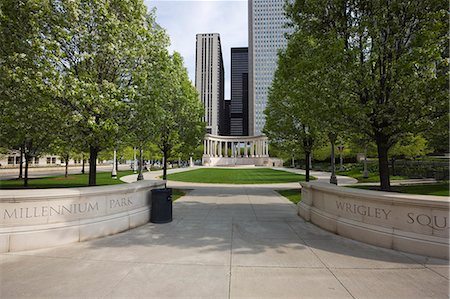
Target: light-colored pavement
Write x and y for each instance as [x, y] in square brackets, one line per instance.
[226, 241]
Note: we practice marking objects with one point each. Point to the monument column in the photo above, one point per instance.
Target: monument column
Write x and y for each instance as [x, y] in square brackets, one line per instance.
[226, 149]
[267, 148]
[215, 148]
[204, 147]
[220, 148]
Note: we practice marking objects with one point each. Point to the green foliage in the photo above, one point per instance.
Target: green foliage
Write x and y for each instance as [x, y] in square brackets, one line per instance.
[79, 76]
[375, 68]
[410, 147]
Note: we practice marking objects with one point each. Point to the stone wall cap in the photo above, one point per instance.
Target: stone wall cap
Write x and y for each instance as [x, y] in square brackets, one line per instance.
[391, 197]
[15, 195]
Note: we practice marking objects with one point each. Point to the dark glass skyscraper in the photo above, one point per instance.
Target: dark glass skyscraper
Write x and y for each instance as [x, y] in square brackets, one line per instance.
[239, 92]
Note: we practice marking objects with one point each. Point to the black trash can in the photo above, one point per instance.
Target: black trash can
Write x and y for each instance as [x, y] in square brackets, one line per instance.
[161, 209]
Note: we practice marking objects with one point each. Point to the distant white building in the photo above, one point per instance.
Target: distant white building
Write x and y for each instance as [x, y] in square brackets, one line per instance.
[12, 159]
[209, 78]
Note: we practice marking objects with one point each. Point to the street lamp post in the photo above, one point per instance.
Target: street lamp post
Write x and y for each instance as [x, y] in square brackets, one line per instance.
[333, 178]
[366, 172]
[341, 160]
[114, 170]
[191, 162]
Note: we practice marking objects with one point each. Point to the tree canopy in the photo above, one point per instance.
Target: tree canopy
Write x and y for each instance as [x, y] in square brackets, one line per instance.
[376, 68]
[98, 70]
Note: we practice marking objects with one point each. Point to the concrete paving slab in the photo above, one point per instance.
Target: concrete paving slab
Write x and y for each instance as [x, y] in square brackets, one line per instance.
[263, 230]
[199, 250]
[345, 253]
[272, 253]
[173, 281]
[393, 283]
[258, 282]
[44, 277]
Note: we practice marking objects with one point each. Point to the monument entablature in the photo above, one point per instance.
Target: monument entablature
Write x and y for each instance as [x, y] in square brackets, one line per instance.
[32, 219]
[412, 223]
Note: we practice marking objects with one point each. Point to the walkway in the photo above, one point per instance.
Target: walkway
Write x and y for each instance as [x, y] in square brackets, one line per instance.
[224, 242]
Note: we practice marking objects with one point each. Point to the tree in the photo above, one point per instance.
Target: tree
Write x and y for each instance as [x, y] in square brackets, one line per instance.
[391, 67]
[178, 112]
[287, 121]
[92, 48]
[28, 117]
[150, 77]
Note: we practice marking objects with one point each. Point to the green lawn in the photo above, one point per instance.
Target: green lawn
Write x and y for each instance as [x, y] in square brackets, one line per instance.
[74, 180]
[236, 176]
[293, 195]
[373, 177]
[177, 193]
[439, 189]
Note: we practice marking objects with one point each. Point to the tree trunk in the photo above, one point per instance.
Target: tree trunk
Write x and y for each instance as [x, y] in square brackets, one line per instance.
[93, 152]
[383, 162]
[67, 166]
[333, 178]
[21, 163]
[393, 165]
[25, 180]
[307, 156]
[82, 168]
[141, 158]
[165, 163]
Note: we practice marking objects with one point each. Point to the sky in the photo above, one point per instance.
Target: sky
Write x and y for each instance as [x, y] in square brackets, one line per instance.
[184, 19]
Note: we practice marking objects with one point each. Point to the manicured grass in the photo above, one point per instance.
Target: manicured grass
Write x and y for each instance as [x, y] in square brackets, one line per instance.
[373, 177]
[72, 181]
[440, 189]
[236, 176]
[177, 193]
[293, 195]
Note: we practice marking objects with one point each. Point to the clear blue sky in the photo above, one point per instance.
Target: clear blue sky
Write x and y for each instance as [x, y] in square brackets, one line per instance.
[184, 19]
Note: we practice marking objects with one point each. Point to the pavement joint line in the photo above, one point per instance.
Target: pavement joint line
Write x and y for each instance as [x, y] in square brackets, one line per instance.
[231, 260]
[278, 267]
[116, 284]
[431, 269]
[118, 262]
[322, 262]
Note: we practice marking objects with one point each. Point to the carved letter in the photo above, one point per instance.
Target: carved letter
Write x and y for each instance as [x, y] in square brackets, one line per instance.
[410, 216]
[13, 213]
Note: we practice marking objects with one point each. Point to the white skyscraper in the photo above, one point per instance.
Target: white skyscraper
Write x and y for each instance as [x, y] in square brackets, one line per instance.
[209, 78]
[266, 22]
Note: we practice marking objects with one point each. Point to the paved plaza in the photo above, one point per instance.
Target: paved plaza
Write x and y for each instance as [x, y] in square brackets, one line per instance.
[226, 241]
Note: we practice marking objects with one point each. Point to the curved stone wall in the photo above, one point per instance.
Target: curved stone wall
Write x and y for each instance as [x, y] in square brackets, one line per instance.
[411, 223]
[39, 218]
